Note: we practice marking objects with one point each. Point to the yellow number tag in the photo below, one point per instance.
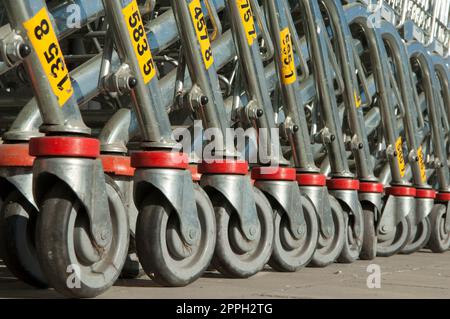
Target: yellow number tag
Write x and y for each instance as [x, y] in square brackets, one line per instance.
[400, 157]
[139, 39]
[45, 43]
[247, 20]
[358, 101]
[288, 72]
[202, 32]
[422, 164]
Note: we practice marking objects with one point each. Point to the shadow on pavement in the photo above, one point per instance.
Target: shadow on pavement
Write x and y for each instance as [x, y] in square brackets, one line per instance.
[11, 287]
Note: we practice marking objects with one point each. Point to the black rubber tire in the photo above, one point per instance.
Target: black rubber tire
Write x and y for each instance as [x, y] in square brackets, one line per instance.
[419, 237]
[61, 218]
[352, 243]
[227, 258]
[401, 236]
[329, 253]
[369, 247]
[165, 268]
[285, 257]
[17, 240]
[439, 239]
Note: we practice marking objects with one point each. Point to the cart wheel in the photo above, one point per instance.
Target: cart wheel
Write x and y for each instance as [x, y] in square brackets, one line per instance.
[392, 242]
[328, 250]
[160, 247]
[352, 243]
[290, 253]
[235, 256]
[72, 265]
[17, 240]
[440, 239]
[369, 247]
[420, 236]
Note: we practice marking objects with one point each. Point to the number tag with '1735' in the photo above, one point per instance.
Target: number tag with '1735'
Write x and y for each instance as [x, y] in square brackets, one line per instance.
[45, 43]
[139, 40]
[246, 13]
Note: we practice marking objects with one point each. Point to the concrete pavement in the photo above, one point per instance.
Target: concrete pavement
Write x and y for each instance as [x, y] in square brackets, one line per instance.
[421, 275]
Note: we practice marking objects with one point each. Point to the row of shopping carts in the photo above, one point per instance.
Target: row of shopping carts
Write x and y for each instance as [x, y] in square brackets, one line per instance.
[183, 136]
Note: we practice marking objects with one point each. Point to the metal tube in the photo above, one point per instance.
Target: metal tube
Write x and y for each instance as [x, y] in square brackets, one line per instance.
[410, 116]
[351, 94]
[201, 64]
[251, 64]
[295, 123]
[55, 98]
[331, 133]
[429, 82]
[152, 118]
[358, 14]
[90, 10]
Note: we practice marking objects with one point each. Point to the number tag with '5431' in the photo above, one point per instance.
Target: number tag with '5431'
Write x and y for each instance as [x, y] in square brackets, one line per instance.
[45, 43]
[288, 71]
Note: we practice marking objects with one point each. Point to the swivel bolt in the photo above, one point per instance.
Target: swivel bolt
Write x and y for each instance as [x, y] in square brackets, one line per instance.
[301, 230]
[132, 82]
[192, 234]
[259, 113]
[204, 100]
[24, 50]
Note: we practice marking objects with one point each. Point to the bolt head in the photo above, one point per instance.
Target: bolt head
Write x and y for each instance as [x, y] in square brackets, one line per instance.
[132, 82]
[252, 230]
[24, 50]
[259, 113]
[192, 234]
[301, 230]
[204, 100]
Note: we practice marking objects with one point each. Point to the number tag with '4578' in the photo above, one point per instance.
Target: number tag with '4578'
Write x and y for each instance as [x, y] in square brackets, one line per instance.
[201, 30]
[45, 43]
[139, 39]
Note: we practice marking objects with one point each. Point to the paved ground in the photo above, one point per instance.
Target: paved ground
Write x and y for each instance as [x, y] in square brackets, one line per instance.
[422, 275]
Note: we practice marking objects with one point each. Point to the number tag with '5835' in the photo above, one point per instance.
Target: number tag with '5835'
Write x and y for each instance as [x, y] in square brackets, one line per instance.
[139, 40]
[45, 43]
